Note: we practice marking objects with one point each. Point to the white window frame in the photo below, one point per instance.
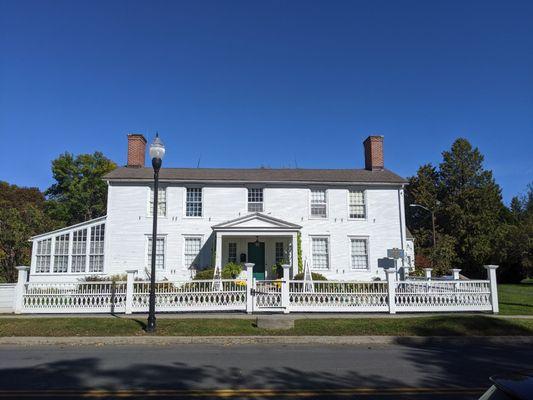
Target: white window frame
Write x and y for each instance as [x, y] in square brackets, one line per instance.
[311, 238]
[150, 201]
[248, 202]
[183, 254]
[83, 255]
[229, 253]
[326, 197]
[202, 202]
[58, 240]
[48, 254]
[367, 240]
[92, 253]
[148, 252]
[355, 189]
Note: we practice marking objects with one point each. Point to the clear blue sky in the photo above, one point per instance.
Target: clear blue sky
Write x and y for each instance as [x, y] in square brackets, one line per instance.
[250, 83]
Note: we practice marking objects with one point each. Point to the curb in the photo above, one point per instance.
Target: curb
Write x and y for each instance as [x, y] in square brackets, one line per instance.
[279, 340]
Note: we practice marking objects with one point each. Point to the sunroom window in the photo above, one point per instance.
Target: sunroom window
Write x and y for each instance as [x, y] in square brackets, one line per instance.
[61, 253]
[96, 252]
[43, 256]
[79, 250]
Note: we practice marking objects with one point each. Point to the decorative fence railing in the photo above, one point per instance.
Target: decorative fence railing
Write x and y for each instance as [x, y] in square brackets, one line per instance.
[250, 295]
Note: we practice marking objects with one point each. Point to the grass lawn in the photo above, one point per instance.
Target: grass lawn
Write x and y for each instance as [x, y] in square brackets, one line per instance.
[516, 299]
[426, 326]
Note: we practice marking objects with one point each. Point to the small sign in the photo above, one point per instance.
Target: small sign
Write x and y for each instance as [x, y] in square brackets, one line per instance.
[395, 253]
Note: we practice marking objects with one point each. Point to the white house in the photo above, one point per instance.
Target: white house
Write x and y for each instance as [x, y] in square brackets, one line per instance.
[345, 220]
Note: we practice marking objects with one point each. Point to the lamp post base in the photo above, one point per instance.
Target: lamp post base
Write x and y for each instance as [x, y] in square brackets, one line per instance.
[150, 326]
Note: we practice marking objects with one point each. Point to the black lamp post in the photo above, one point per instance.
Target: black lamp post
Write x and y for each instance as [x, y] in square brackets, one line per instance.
[157, 152]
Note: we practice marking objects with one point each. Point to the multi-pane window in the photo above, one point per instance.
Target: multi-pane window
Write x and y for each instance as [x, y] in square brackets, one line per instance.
[79, 250]
[96, 249]
[61, 253]
[280, 253]
[192, 249]
[359, 253]
[193, 206]
[318, 203]
[320, 253]
[255, 200]
[43, 255]
[161, 202]
[357, 204]
[232, 252]
[159, 253]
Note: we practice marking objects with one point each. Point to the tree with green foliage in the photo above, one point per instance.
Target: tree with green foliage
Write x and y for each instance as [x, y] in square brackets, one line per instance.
[473, 225]
[79, 193]
[22, 215]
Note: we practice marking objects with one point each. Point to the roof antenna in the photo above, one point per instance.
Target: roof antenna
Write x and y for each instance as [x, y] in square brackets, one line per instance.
[198, 164]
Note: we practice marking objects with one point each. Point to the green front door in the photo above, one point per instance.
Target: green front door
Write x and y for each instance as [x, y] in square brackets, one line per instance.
[256, 255]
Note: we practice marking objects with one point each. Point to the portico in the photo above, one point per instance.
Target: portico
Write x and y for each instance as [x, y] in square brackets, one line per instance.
[259, 239]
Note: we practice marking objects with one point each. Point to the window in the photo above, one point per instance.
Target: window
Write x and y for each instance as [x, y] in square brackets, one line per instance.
[159, 253]
[318, 203]
[359, 253]
[280, 253]
[357, 204]
[42, 258]
[79, 251]
[232, 252]
[96, 249]
[255, 200]
[161, 202]
[193, 207]
[192, 249]
[320, 249]
[61, 253]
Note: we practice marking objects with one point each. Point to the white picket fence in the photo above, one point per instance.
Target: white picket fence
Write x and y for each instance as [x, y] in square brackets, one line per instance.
[250, 295]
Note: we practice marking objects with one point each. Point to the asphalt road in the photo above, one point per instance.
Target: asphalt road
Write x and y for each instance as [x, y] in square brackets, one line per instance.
[255, 371]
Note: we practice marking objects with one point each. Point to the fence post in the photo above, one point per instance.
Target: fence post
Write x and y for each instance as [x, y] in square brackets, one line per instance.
[129, 289]
[455, 274]
[249, 286]
[22, 278]
[285, 288]
[391, 287]
[428, 273]
[491, 272]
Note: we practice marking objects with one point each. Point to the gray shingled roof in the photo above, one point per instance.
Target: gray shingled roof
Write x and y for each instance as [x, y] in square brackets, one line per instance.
[256, 175]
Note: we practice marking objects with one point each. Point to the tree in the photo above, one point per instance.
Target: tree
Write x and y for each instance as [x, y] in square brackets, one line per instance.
[79, 193]
[22, 215]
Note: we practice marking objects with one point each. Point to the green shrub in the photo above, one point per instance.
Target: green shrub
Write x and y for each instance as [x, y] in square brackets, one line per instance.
[230, 271]
[314, 275]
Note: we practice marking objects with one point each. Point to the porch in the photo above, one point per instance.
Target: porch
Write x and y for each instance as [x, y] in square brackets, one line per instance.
[259, 239]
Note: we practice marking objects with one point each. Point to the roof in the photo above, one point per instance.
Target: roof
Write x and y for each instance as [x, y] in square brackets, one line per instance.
[256, 221]
[260, 175]
[84, 223]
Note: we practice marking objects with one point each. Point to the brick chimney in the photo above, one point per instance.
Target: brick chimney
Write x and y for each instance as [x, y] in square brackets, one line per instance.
[136, 150]
[374, 153]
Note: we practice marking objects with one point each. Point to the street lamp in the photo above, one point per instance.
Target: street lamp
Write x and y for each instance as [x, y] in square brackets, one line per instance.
[432, 221]
[157, 152]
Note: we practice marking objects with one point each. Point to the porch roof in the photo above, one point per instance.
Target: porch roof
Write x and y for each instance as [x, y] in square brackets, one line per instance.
[256, 222]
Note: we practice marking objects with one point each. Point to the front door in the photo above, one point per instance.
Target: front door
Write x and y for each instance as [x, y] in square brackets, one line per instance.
[256, 255]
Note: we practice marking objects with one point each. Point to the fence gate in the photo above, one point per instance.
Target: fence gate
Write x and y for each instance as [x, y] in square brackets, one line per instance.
[266, 296]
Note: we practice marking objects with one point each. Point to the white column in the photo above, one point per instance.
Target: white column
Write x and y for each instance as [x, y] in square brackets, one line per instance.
[18, 303]
[129, 289]
[491, 272]
[455, 273]
[428, 273]
[249, 285]
[391, 287]
[294, 254]
[218, 251]
[285, 288]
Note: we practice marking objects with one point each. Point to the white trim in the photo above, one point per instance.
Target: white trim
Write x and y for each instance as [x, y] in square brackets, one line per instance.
[94, 221]
[359, 237]
[191, 236]
[365, 199]
[326, 195]
[202, 190]
[328, 238]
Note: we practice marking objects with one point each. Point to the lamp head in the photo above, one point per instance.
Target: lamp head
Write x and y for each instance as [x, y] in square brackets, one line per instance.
[157, 148]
